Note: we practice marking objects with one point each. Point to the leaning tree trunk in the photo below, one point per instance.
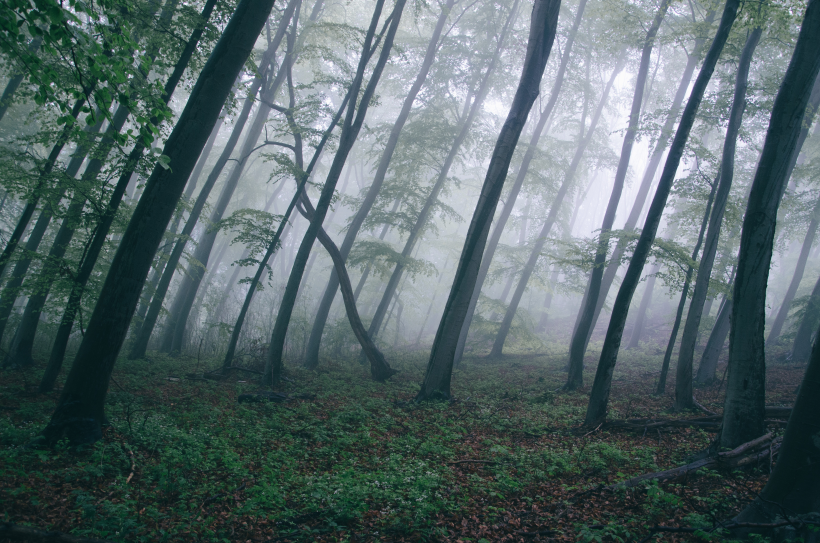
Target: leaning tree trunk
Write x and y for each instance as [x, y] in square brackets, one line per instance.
[509, 204]
[744, 409]
[555, 207]
[648, 177]
[322, 312]
[424, 215]
[80, 410]
[803, 340]
[783, 312]
[717, 338]
[143, 336]
[17, 79]
[578, 344]
[350, 131]
[436, 383]
[646, 299]
[683, 376]
[684, 295]
[599, 398]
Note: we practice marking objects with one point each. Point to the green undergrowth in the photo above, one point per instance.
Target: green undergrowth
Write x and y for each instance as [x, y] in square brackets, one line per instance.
[182, 460]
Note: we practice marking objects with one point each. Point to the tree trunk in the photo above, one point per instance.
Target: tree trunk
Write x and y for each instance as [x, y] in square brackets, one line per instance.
[436, 383]
[506, 211]
[673, 336]
[648, 177]
[143, 336]
[708, 363]
[350, 131]
[743, 413]
[579, 339]
[322, 312]
[555, 207]
[599, 399]
[646, 299]
[17, 79]
[432, 198]
[80, 410]
[785, 306]
[432, 301]
[686, 357]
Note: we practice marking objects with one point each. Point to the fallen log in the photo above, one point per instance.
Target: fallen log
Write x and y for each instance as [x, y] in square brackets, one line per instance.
[15, 532]
[749, 453]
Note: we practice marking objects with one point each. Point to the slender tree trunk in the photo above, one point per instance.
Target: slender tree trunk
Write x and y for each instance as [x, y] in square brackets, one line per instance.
[366, 272]
[686, 357]
[17, 79]
[436, 383]
[803, 340]
[648, 177]
[143, 336]
[506, 210]
[783, 312]
[432, 301]
[322, 312]
[432, 198]
[637, 330]
[80, 410]
[578, 344]
[599, 398]
[555, 207]
[350, 129]
[708, 363]
[744, 409]
[673, 336]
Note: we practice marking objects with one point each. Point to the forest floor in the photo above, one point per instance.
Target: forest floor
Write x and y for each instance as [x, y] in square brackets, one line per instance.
[351, 460]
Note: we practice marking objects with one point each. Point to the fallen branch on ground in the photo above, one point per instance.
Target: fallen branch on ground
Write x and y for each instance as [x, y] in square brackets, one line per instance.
[472, 462]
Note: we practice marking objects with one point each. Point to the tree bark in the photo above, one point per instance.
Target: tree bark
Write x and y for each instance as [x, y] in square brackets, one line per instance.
[578, 344]
[506, 211]
[424, 215]
[80, 410]
[599, 399]
[686, 356]
[350, 131]
[17, 79]
[803, 340]
[708, 363]
[322, 312]
[436, 383]
[743, 413]
[555, 207]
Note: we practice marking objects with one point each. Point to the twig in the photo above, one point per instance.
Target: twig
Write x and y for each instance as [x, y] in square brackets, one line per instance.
[533, 534]
[133, 464]
[472, 462]
[593, 430]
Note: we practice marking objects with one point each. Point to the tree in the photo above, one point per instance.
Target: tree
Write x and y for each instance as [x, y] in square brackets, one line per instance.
[599, 397]
[354, 119]
[801, 348]
[543, 24]
[578, 344]
[744, 409]
[555, 206]
[683, 376]
[80, 410]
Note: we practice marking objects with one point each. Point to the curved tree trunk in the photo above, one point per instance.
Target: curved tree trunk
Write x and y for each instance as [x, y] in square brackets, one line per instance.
[578, 344]
[436, 383]
[555, 207]
[509, 204]
[744, 409]
[350, 130]
[599, 398]
[322, 312]
[686, 356]
[80, 409]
